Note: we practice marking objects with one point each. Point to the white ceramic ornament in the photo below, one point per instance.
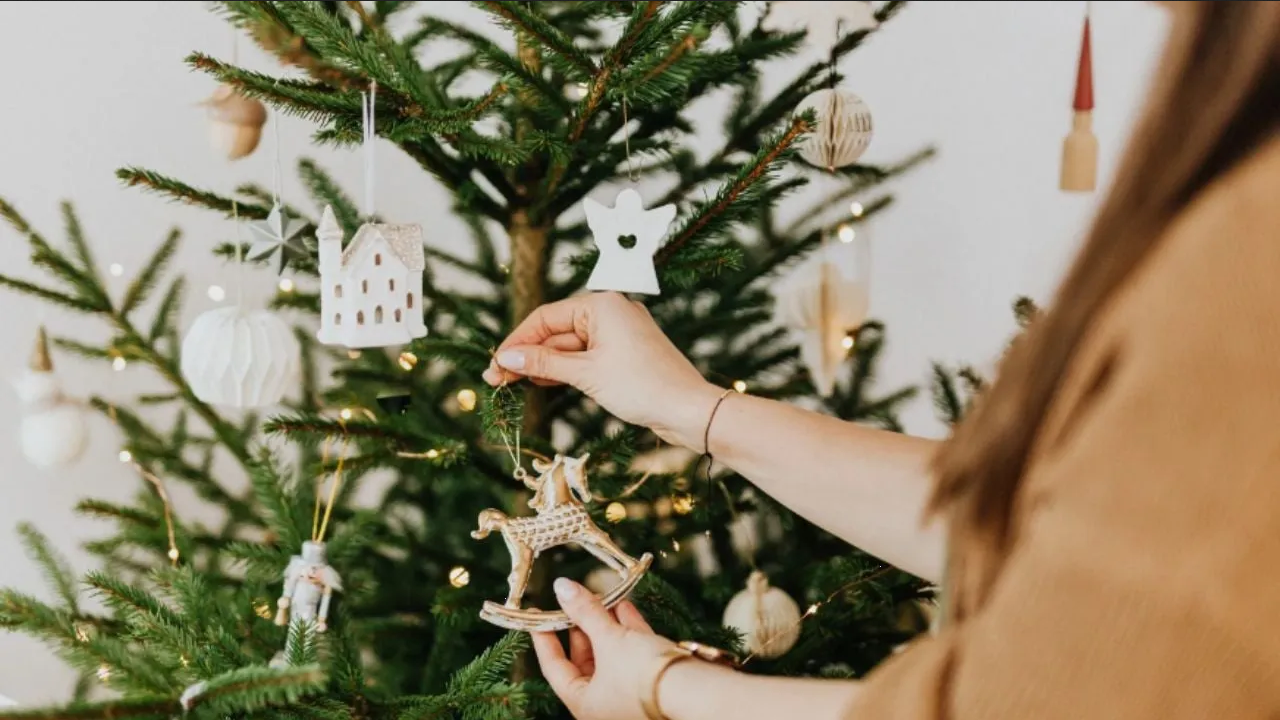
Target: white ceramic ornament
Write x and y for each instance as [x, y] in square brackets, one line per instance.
[766, 617]
[825, 21]
[370, 293]
[240, 358]
[627, 236]
[822, 301]
[843, 130]
[53, 429]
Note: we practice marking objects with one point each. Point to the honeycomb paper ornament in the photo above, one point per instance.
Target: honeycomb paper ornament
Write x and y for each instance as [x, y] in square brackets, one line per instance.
[240, 358]
[822, 302]
[842, 132]
[766, 617]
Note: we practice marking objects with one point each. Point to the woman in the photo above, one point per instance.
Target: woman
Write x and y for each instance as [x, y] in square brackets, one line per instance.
[1112, 506]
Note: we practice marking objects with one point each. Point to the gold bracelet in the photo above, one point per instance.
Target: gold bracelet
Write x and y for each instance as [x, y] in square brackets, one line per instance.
[682, 651]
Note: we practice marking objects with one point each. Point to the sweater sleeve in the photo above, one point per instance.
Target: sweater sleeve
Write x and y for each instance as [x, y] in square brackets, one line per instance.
[1142, 582]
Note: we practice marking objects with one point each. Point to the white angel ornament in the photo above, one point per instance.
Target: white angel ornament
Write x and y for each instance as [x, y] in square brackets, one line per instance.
[627, 236]
[825, 22]
[309, 584]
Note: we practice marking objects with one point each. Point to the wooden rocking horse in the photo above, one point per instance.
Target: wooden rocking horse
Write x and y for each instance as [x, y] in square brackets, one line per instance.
[560, 496]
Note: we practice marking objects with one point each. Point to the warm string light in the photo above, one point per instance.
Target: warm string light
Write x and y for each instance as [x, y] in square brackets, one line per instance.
[846, 233]
[82, 633]
[125, 456]
[116, 269]
[285, 285]
[118, 363]
[682, 504]
[216, 293]
[353, 354]
[615, 512]
[740, 386]
[263, 610]
[346, 414]
[104, 673]
[856, 209]
[847, 342]
[408, 361]
[467, 399]
[459, 577]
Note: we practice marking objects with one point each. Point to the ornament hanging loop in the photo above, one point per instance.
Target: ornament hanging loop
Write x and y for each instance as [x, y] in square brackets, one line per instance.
[626, 139]
[369, 134]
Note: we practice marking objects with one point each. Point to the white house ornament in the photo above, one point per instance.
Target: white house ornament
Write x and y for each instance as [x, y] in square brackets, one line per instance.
[842, 132]
[235, 122]
[53, 429]
[825, 22]
[278, 233]
[766, 617]
[823, 301]
[627, 236]
[371, 292]
[240, 358]
[561, 492]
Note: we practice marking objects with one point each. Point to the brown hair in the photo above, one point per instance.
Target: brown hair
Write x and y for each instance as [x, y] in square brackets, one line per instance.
[1216, 100]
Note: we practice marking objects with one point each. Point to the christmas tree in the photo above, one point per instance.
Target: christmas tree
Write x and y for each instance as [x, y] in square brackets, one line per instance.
[581, 97]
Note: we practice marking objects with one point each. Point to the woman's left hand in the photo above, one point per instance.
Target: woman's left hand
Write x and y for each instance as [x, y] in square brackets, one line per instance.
[608, 657]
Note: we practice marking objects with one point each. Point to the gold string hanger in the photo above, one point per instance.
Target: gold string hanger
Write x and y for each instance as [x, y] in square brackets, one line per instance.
[161, 491]
[319, 524]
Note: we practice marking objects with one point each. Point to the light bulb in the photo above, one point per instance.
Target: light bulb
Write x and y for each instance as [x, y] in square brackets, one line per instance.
[616, 512]
[856, 209]
[262, 609]
[846, 233]
[675, 545]
[432, 454]
[682, 504]
[847, 342]
[125, 456]
[467, 399]
[104, 673]
[345, 414]
[353, 354]
[459, 577]
[812, 609]
[119, 364]
[285, 285]
[216, 293]
[82, 633]
[408, 361]
[173, 554]
[740, 386]
[116, 269]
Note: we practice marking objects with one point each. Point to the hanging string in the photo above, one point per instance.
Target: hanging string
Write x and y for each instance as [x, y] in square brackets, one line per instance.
[324, 460]
[511, 443]
[369, 135]
[235, 215]
[626, 139]
[333, 493]
[160, 489]
[277, 169]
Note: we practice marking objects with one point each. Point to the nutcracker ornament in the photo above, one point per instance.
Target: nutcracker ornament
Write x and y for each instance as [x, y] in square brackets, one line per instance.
[309, 584]
[560, 496]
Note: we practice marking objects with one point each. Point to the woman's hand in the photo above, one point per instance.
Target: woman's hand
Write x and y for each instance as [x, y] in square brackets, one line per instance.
[608, 658]
[611, 349]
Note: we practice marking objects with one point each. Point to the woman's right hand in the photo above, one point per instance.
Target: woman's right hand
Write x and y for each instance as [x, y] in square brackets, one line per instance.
[611, 349]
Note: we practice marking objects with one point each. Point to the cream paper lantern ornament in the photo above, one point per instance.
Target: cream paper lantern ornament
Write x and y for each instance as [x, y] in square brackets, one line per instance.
[842, 132]
[823, 301]
[240, 358]
[235, 122]
[766, 617]
[53, 428]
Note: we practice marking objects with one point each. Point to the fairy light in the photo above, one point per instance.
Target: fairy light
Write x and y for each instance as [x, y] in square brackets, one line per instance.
[118, 363]
[675, 545]
[459, 577]
[82, 633]
[616, 512]
[813, 610]
[262, 609]
[432, 454]
[216, 293]
[856, 209]
[186, 662]
[346, 414]
[740, 386]
[174, 554]
[285, 285]
[682, 504]
[846, 233]
[467, 399]
[847, 342]
[104, 673]
[125, 456]
[353, 354]
[116, 269]
[408, 361]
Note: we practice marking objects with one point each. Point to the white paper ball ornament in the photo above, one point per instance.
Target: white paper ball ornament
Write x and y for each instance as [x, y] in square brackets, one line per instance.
[766, 617]
[240, 358]
[53, 431]
[842, 132]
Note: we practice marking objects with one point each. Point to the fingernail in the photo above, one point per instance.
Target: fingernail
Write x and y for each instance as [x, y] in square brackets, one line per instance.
[491, 376]
[511, 359]
[566, 589]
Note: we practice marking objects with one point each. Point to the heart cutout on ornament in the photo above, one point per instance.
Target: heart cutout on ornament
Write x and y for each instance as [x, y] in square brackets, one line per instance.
[627, 241]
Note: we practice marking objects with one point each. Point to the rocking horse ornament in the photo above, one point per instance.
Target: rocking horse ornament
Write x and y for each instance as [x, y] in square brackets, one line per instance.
[560, 496]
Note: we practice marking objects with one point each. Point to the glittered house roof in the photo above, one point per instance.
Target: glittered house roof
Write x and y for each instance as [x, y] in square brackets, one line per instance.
[405, 241]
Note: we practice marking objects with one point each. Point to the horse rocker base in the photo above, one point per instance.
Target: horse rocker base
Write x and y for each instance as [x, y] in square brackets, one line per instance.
[560, 496]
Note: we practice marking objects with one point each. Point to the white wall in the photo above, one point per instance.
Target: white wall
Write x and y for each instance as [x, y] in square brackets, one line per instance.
[95, 86]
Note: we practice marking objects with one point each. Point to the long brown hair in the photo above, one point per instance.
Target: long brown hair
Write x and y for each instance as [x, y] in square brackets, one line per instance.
[1215, 101]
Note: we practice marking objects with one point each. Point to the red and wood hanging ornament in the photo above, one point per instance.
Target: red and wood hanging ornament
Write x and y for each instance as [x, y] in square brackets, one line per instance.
[1080, 149]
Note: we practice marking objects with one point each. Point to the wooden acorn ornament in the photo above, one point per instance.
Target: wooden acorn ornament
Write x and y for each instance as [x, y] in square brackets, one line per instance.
[236, 122]
[1080, 149]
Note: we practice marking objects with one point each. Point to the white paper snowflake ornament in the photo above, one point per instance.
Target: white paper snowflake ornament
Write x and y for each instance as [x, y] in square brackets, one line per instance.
[843, 130]
[822, 302]
[371, 292]
[627, 236]
[278, 233]
[825, 22]
[240, 358]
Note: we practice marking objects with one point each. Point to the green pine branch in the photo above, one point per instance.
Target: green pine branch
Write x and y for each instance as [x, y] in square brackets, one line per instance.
[179, 191]
[55, 568]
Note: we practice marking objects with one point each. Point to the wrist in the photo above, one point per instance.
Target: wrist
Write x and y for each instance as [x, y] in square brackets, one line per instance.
[687, 421]
[689, 689]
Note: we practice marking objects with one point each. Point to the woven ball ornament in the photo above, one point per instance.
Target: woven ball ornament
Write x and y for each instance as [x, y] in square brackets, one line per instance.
[842, 133]
[766, 617]
[240, 358]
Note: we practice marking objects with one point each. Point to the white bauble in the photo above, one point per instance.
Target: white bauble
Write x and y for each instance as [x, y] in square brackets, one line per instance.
[766, 617]
[843, 130]
[53, 432]
[240, 358]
